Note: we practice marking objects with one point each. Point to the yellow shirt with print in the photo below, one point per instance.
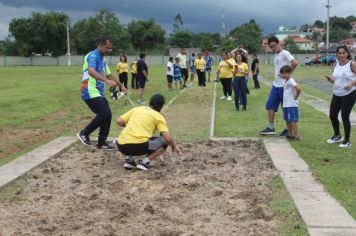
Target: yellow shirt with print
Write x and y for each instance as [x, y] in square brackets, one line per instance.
[122, 67]
[244, 67]
[199, 63]
[225, 69]
[133, 68]
[141, 124]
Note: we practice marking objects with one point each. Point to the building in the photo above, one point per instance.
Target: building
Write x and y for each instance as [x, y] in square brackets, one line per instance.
[284, 33]
[350, 42]
[303, 43]
[353, 24]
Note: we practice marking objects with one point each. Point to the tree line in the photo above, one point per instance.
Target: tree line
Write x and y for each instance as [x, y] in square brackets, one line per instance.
[46, 34]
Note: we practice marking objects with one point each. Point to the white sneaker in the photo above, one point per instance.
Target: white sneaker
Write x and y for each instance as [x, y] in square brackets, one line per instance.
[222, 97]
[345, 144]
[335, 139]
[229, 98]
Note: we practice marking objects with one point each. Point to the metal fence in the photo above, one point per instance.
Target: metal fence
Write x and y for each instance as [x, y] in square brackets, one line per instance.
[113, 60]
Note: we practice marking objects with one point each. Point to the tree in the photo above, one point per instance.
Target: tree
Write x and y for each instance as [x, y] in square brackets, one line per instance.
[291, 46]
[40, 33]
[177, 24]
[248, 34]
[182, 38]
[318, 24]
[146, 34]
[340, 22]
[337, 34]
[86, 33]
[351, 18]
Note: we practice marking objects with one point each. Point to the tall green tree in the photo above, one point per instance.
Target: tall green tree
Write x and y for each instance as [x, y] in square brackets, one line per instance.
[318, 24]
[182, 39]
[177, 23]
[146, 34]
[248, 34]
[86, 33]
[40, 33]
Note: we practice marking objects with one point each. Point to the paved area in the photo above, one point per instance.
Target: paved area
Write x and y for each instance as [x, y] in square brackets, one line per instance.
[21, 165]
[317, 103]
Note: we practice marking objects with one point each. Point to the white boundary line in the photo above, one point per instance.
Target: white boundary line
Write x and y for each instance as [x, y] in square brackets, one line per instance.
[175, 97]
[212, 117]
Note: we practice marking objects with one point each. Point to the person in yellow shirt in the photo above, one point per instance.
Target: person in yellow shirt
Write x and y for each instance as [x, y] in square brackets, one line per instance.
[239, 82]
[134, 82]
[199, 65]
[122, 68]
[137, 137]
[224, 74]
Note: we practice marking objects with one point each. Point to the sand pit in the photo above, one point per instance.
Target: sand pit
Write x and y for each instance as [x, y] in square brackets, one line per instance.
[214, 188]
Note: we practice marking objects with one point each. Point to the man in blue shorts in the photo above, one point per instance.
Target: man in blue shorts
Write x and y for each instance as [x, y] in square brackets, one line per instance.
[209, 62]
[282, 57]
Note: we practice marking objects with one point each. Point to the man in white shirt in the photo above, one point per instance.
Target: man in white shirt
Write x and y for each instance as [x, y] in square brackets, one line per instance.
[282, 57]
[183, 65]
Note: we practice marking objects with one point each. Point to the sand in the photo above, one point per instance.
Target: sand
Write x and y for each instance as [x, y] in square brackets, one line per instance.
[214, 188]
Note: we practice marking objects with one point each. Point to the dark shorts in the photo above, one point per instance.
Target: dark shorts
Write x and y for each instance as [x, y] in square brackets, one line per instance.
[184, 72]
[290, 114]
[141, 81]
[169, 78]
[208, 70]
[275, 98]
[146, 148]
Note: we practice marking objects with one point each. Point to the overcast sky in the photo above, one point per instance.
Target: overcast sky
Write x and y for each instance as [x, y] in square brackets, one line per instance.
[197, 15]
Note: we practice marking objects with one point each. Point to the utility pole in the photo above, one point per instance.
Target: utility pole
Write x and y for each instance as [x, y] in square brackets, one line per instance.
[327, 23]
[68, 43]
[223, 26]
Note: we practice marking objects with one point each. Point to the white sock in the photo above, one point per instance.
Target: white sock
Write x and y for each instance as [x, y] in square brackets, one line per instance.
[146, 160]
[271, 125]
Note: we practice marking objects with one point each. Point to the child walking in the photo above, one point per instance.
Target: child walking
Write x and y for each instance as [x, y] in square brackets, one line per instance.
[290, 102]
[177, 73]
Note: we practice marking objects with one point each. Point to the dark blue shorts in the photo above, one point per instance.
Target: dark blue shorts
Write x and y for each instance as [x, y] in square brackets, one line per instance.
[290, 114]
[169, 78]
[208, 70]
[141, 81]
[275, 98]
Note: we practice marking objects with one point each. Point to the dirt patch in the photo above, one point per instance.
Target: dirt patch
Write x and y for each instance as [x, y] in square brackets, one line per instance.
[214, 188]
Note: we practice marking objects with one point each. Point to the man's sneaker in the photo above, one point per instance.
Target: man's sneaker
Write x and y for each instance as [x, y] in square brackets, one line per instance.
[229, 98]
[267, 131]
[140, 101]
[105, 147]
[143, 166]
[84, 138]
[335, 139]
[345, 144]
[129, 165]
[284, 133]
[222, 98]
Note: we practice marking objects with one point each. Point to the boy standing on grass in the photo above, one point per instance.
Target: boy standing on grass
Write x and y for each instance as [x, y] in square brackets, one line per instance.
[177, 73]
[290, 102]
[170, 73]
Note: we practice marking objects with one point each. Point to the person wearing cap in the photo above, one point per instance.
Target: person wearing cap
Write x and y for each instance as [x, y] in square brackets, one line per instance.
[136, 139]
[209, 61]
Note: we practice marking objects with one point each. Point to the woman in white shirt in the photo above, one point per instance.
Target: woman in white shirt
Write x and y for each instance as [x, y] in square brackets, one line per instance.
[344, 95]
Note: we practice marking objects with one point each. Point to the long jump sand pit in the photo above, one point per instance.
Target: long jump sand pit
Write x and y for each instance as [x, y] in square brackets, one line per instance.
[214, 188]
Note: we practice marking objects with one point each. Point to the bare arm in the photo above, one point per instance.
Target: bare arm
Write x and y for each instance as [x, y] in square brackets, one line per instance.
[298, 90]
[92, 72]
[293, 64]
[169, 140]
[256, 68]
[113, 78]
[121, 122]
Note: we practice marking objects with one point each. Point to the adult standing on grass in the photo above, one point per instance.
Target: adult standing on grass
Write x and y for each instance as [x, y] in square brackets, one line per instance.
[199, 65]
[255, 70]
[137, 137]
[239, 82]
[344, 95]
[123, 68]
[96, 73]
[224, 74]
[183, 65]
[142, 77]
[209, 62]
[282, 57]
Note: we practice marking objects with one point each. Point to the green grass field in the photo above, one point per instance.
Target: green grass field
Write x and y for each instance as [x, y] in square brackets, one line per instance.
[41, 103]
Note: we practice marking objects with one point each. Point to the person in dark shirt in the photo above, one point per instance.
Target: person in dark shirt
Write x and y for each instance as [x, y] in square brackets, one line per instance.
[255, 70]
[142, 77]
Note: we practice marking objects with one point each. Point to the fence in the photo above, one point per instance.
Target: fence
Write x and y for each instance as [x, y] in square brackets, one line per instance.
[113, 60]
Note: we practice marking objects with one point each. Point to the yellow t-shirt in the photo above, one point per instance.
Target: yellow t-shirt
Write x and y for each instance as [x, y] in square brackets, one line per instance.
[141, 124]
[244, 67]
[225, 69]
[199, 63]
[134, 68]
[122, 67]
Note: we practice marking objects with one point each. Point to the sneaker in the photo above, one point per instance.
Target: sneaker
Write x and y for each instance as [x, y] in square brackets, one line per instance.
[243, 109]
[143, 166]
[335, 139]
[140, 101]
[105, 147]
[345, 144]
[222, 98]
[84, 138]
[267, 131]
[284, 133]
[129, 165]
[216, 80]
[229, 98]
